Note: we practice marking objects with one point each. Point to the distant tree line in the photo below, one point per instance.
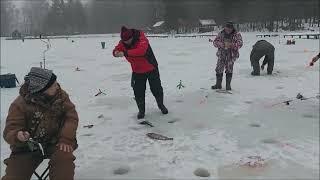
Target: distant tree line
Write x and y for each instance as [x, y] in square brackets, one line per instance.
[107, 16]
[43, 17]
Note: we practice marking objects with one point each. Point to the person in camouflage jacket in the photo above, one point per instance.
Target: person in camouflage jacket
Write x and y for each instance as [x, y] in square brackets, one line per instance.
[228, 42]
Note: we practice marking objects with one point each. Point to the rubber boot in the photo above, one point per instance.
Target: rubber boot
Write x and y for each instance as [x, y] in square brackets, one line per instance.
[218, 81]
[141, 107]
[228, 81]
[161, 106]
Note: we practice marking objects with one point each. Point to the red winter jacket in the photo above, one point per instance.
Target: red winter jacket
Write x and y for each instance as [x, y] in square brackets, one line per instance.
[138, 53]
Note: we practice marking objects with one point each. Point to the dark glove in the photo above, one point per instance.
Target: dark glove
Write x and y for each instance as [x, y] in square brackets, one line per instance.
[311, 63]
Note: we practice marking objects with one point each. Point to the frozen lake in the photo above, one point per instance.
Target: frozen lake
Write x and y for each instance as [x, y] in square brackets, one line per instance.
[218, 132]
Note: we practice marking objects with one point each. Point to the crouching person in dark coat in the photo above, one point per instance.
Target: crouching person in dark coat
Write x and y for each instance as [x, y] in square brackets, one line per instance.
[135, 47]
[41, 123]
[262, 48]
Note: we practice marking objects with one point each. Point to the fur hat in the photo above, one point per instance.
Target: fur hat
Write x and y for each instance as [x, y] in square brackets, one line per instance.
[39, 79]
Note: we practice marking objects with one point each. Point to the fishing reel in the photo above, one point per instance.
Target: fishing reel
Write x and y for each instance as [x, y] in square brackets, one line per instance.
[35, 146]
[299, 96]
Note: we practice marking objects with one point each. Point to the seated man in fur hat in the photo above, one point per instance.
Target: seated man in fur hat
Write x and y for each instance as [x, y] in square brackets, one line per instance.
[41, 123]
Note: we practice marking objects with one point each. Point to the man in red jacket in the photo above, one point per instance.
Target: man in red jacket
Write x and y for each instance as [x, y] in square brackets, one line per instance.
[135, 47]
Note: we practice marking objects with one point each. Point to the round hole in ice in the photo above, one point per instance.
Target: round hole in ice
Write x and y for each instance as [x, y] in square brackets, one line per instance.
[248, 102]
[308, 116]
[270, 141]
[201, 172]
[121, 170]
[254, 125]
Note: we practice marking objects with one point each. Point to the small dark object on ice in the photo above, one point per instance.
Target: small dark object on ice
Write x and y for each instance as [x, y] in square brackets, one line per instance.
[158, 136]
[300, 96]
[173, 120]
[255, 125]
[88, 126]
[100, 92]
[291, 42]
[287, 102]
[100, 116]
[146, 123]
[180, 85]
[121, 170]
[253, 162]
[77, 69]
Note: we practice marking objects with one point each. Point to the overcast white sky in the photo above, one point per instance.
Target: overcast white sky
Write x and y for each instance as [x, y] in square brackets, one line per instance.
[19, 3]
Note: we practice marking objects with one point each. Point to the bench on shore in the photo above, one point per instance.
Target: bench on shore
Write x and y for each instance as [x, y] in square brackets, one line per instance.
[306, 35]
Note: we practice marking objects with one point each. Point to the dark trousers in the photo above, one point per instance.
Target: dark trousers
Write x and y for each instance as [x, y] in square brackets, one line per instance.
[20, 166]
[138, 83]
[268, 59]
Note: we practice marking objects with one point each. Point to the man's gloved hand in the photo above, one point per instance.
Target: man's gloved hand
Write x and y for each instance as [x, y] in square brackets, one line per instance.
[118, 54]
[311, 63]
[227, 45]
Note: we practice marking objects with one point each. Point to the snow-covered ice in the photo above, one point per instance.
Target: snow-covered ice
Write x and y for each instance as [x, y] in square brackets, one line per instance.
[210, 130]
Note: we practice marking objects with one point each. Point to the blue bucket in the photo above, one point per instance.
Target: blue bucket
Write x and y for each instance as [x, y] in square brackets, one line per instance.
[8, 80]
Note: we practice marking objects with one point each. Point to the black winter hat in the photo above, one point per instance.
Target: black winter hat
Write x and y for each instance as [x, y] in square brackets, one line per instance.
[230, 25]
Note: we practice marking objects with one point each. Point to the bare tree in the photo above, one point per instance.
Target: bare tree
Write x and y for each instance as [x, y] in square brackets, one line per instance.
[76, 20]
[8, 17]
[55, 21]
[107, 16]
[34, 15]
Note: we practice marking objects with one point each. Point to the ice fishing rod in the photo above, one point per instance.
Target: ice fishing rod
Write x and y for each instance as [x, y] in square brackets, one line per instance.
[34, 145]
[298, 97]
[48, 45]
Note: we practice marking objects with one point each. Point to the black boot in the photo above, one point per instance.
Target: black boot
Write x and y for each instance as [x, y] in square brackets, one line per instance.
[253, 73]
[140, 115]
[228, 81]
[163, 109]
[141, 107]
[161, 106]
[218, 81]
